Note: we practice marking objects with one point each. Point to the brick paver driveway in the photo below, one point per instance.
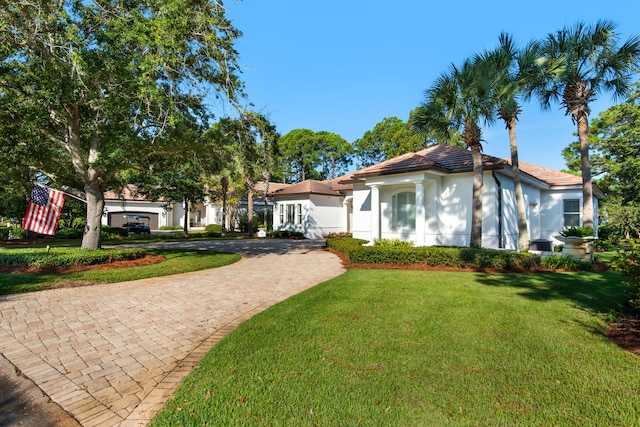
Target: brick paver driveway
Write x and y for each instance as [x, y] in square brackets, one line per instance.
[112, 354]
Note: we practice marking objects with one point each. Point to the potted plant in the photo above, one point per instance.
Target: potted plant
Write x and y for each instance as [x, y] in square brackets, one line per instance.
[578, 242]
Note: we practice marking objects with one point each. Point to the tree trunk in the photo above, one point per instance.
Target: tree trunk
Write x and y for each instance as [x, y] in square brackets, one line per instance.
[476, 213]
[587, 187]
[523, 232]
[267, 176]
[185, 226]
[249, 185]
[95, 209]
[225, 189]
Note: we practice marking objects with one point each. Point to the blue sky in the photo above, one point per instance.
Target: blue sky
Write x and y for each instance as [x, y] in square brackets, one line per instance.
[344, 65]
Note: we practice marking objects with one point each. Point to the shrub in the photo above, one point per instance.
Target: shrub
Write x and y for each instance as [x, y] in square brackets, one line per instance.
[338, 235]
[69, 233]
[577, 232]
[434, 256]
[66, 257]
[628, 262]
[4, 233]
[393, 243]
[170, 227]
[213, 230]
[113, 233]
[564, 262]
[285, 234]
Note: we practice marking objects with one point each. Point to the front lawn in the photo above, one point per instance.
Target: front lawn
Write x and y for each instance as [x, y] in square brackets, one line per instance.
[375, 347]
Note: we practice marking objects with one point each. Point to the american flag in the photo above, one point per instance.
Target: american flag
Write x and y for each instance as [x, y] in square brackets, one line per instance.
[44, 210]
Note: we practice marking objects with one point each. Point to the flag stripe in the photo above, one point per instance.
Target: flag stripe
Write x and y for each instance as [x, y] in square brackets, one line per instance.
[43, 213]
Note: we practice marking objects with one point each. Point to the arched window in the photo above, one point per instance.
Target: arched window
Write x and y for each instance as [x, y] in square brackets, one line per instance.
[404, 211]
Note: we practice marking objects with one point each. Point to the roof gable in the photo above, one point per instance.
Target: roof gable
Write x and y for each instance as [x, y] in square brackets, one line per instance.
[442, 158]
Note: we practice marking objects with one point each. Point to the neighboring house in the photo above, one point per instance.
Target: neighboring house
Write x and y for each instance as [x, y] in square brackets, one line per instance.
[161, 213]
[425, 197]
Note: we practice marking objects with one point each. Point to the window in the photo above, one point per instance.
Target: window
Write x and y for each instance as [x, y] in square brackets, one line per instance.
[404, 211]
[571, 212]
[299, 210]
[291, 214]
[281, 214]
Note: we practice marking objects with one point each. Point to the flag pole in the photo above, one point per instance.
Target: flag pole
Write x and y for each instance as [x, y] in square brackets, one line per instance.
[71, 192]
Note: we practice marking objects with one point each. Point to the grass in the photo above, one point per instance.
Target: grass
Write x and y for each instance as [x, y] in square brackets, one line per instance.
[177, 261]
[413, 348]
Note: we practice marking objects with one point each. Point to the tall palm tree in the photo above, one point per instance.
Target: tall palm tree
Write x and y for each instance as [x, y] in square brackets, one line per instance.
[513, 68]
[584, 61]
[459, 100]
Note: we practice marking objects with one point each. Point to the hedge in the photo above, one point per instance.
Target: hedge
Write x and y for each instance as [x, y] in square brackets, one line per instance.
[457, 257]
[66, 257]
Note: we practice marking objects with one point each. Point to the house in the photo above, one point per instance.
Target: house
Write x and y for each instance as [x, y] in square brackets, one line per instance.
[118, 206]
[425, 197]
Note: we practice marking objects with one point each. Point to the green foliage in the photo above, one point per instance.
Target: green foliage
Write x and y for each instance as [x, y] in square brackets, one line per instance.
[433, 256]
[69, 233]
[576, 231]
[306, 154]
[213, 228]
[563, 262]
[628, 263]
[109, 232]
[285, 234]
[392, 243]
[4, 233]
[66, 257]
[170, 227]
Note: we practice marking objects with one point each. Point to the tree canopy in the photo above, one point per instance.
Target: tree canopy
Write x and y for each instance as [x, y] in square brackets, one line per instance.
[99, 82]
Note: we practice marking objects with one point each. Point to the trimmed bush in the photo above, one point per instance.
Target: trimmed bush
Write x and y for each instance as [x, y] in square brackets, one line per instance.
[285, 234]
[66, 257]
[564, 262]
[213, 228]
[4, 233]
[433, 256]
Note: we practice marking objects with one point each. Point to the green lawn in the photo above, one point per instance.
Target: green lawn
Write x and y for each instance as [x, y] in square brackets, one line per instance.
[177, 261]
[411, 348]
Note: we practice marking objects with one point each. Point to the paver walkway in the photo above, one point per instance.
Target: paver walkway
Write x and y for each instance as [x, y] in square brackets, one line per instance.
[112, 354]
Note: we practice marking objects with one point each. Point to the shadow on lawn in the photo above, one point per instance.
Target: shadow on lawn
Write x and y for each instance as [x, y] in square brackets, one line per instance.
[602, 292]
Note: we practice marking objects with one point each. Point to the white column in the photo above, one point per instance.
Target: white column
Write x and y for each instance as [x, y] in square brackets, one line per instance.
[420, 214]
[375, 213]
[345, 214]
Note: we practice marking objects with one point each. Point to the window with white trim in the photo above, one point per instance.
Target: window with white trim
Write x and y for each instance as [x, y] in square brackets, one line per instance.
[404, 211]
[281, 214]
[571, 212]
[299, 211]
[291, 214]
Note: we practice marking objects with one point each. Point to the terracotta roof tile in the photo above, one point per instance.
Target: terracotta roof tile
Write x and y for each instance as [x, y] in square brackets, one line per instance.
[445, 158]
[310, 187]
[550, 176]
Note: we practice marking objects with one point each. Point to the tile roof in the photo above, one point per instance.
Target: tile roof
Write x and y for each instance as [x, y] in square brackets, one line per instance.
[549, 176]
[444, 158]
[310, 186]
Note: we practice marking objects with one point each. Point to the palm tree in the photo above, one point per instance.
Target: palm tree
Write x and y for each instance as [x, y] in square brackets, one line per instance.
[579, 63]
[512, 68]
[461, 99]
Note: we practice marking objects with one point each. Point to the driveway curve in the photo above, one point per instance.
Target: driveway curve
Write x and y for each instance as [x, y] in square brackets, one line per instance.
[112, 354]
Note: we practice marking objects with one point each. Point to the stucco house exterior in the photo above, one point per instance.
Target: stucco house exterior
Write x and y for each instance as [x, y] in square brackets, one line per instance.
[161, 213]
[425, 197]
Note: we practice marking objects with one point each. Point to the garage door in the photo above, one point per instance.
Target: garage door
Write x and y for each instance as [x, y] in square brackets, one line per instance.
[117, 219]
